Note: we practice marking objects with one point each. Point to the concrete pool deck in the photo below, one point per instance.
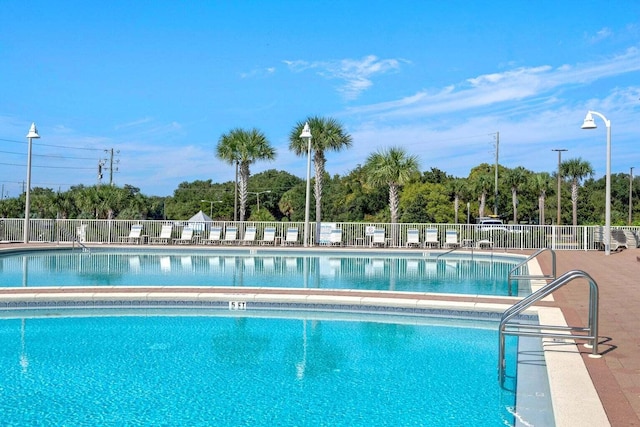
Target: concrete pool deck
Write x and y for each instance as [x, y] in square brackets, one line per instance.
[616, 376]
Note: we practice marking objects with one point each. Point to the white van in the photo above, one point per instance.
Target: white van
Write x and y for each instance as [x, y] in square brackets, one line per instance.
[491, 224]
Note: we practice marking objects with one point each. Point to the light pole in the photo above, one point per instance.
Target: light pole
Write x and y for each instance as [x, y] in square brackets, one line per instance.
[306, 133]
[559, 150]
[631, 196]
[33, 133]
[589, 123]
[258, 193]
[211, 208]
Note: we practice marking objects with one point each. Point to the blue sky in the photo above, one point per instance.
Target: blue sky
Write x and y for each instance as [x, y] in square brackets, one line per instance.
[160, 82]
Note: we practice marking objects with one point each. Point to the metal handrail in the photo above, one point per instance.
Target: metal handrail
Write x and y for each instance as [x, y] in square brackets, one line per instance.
[589, 333]
[74, 240]
[551, 276]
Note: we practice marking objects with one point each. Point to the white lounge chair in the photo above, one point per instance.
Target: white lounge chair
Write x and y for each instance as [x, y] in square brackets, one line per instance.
[214, 236]
[185, 238]
[451, 239]
[81, 233]
[164, 237]
[230, 235]
[378, 237]
[413, 238]
[431, 238]
[135, 235]
[249, 236]
[269, 236]
[291, 237]
[335, 238]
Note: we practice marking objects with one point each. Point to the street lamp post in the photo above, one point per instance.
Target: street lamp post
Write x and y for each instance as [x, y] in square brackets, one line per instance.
[589, 123]
[258, 193]
[631, 195]
[306, 133]
[33, 133]
[559, 150]
[211, 207]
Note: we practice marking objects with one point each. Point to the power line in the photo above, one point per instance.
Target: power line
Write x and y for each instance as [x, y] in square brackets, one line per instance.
[44, 167]
[52, 145]
[49, 156]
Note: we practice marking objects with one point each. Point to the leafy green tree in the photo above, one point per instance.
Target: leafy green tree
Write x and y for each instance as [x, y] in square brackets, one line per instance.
[435, 176]
[244, 147]
[425, 203]
[43, 203]
[327, 135]
[576, 170]
[394, 168]
[277, 183]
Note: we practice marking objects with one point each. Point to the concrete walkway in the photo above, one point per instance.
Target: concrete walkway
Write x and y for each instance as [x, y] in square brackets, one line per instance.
[616, 375]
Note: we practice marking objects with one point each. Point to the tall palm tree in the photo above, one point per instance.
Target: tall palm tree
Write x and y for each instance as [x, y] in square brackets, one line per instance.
[327, 135]
[515, 179]
[576, 170]
[481, 184]
[392, 167]
[457, 187]
[244, 147]
[541, 183]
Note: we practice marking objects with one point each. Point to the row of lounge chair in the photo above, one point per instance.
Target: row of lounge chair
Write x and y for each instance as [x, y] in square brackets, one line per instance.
[413, 238]
[214, 237]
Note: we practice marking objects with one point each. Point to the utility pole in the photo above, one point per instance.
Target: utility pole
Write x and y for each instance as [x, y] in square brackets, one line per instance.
[631, 196]
[559, 150]
[495, 203]
[111, 153]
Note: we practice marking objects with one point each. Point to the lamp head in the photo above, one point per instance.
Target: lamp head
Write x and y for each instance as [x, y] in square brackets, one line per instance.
[306, 131]
[33, 132]
[589, 123]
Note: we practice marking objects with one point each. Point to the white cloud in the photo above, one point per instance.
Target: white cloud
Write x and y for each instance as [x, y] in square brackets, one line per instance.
[258, 73]
[492, 90]
[356, 74]
[602, 34]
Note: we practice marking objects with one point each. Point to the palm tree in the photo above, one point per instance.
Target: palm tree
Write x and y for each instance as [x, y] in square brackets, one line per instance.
[515, 179]
[480, 184]
[541, 183]
[457, 187]
[244, 147]
[576, 170]
[394, 168]
[327, 135]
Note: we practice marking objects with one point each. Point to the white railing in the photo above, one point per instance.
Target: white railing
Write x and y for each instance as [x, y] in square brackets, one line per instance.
[518, 237]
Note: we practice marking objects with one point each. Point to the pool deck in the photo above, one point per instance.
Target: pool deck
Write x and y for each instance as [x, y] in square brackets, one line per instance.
[616, 376]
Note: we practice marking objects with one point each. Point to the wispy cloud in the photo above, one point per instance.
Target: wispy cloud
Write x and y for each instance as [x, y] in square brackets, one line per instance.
[356, 74]
[134, 123]
[602, 34]
[492, 90]
[258, 73]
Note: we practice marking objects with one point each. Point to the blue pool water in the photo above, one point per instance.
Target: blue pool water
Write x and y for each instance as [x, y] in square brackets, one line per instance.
[453, 274]
[246, 371]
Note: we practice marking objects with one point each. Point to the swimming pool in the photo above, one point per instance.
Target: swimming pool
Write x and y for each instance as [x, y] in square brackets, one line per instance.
[424, 272]
[176, 369]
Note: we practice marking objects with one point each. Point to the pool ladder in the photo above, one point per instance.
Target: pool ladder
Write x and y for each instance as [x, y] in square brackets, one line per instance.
[74, 240]
[513, 276]
[589, 333]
